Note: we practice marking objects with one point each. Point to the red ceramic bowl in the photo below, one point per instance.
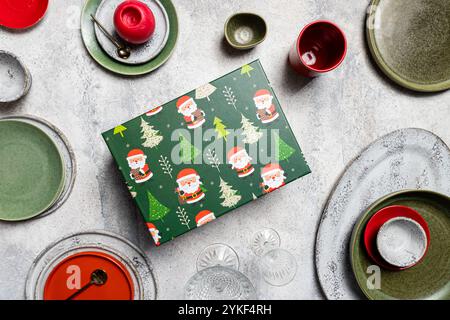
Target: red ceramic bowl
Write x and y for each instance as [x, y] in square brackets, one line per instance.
[320, 47]
[21, 14]
[380, 218]
[134, 21]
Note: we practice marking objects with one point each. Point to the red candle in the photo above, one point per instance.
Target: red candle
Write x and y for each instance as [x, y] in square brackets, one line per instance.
[134, 21]
[74, 272]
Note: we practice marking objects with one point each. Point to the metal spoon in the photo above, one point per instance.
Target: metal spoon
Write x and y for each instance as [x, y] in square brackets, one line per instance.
[123, 51]
[98, 278]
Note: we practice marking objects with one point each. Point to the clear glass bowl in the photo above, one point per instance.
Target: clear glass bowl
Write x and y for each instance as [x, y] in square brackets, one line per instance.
[277, 266]
[219, 283]
[217, 254]
[264, 241]
[134, 260]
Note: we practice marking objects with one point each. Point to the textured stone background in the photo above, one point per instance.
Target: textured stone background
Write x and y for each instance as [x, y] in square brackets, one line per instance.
[333, 117]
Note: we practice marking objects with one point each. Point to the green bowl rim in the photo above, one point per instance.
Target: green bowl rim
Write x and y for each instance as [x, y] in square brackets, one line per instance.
[61, 182]
[388, 71]
[247, 46]
[133, 70]
[358, 226]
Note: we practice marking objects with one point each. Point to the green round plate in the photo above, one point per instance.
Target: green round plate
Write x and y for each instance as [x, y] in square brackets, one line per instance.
[430, 279]
[409, 40]
[94, 49]
[31, 171]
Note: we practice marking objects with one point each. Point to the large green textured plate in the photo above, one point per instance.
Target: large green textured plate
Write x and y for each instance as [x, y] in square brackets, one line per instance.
[410, 42]
[97, 53]
[31, 171]
[430, 279]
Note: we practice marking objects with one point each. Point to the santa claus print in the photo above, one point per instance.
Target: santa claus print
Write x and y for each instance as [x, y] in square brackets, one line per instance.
[189, 187]
[153, 111]
[265, 109]
[240, 161]
[273, 177]
[203, 217]
[154, 232]
[193, 116]
[140, 171]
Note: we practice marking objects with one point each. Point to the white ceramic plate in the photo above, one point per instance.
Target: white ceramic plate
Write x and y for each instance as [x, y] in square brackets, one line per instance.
[139, 53]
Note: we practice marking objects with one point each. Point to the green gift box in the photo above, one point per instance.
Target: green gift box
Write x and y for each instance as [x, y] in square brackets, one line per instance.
[206, 153]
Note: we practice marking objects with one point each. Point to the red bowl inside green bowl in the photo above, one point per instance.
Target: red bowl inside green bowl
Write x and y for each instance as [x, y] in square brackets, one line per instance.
[380, 218]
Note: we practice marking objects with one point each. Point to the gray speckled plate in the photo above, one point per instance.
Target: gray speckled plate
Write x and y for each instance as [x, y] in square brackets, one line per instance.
[139, 53]
[15, 79]
[410, 42]
[403, 159]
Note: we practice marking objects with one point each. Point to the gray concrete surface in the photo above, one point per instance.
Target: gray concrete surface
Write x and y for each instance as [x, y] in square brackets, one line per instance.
[333, 117]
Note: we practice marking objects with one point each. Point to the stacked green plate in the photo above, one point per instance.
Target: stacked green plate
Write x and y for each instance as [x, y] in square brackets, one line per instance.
[31, 173]
[430, 279]
[97, 53]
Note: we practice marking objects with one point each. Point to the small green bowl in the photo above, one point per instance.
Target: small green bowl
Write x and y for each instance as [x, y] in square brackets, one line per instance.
[245, 30]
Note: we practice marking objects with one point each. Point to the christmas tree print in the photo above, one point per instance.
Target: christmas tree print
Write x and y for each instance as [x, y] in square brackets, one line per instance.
[246, 70]
[156, 210]
[220, 128]
[183, 217]
[229, 195]
[165, 166]
[133, 193]
[119, 130]
[251, 132]
[150, 135]
[205, 91]
[188, 152]
[213, 160]
[284, 151]
[230, 97]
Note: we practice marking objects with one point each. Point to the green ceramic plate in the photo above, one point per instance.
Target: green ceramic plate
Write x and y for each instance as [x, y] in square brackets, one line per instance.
[94, 49]
[31, 171]
[430, 279]
[410, 42]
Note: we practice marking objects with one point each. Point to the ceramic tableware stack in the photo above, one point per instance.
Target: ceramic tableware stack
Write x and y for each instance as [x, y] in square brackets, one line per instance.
[147, 28]
[405, 235]
[348, 265]
[397, 237]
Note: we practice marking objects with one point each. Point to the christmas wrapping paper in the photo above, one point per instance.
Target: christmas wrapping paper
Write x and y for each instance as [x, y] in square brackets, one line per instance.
[203, 154]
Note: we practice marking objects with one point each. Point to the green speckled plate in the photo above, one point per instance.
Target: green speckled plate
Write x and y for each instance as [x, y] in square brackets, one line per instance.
[97, 53]
[31, 171]
[430, 279]
[410, 42]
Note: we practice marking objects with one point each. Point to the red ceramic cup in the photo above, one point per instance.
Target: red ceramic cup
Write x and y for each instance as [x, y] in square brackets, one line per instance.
[320, 47]
[134, 21]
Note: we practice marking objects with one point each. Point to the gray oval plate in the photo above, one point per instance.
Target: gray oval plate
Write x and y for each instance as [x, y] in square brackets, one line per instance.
[139, 53]
[403, 159]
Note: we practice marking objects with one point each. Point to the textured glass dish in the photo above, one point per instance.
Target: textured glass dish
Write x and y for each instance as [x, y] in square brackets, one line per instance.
[65, 150]
[119, 248]
[277, 266]
[264, 241]
[218, 255]
[219, 283]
